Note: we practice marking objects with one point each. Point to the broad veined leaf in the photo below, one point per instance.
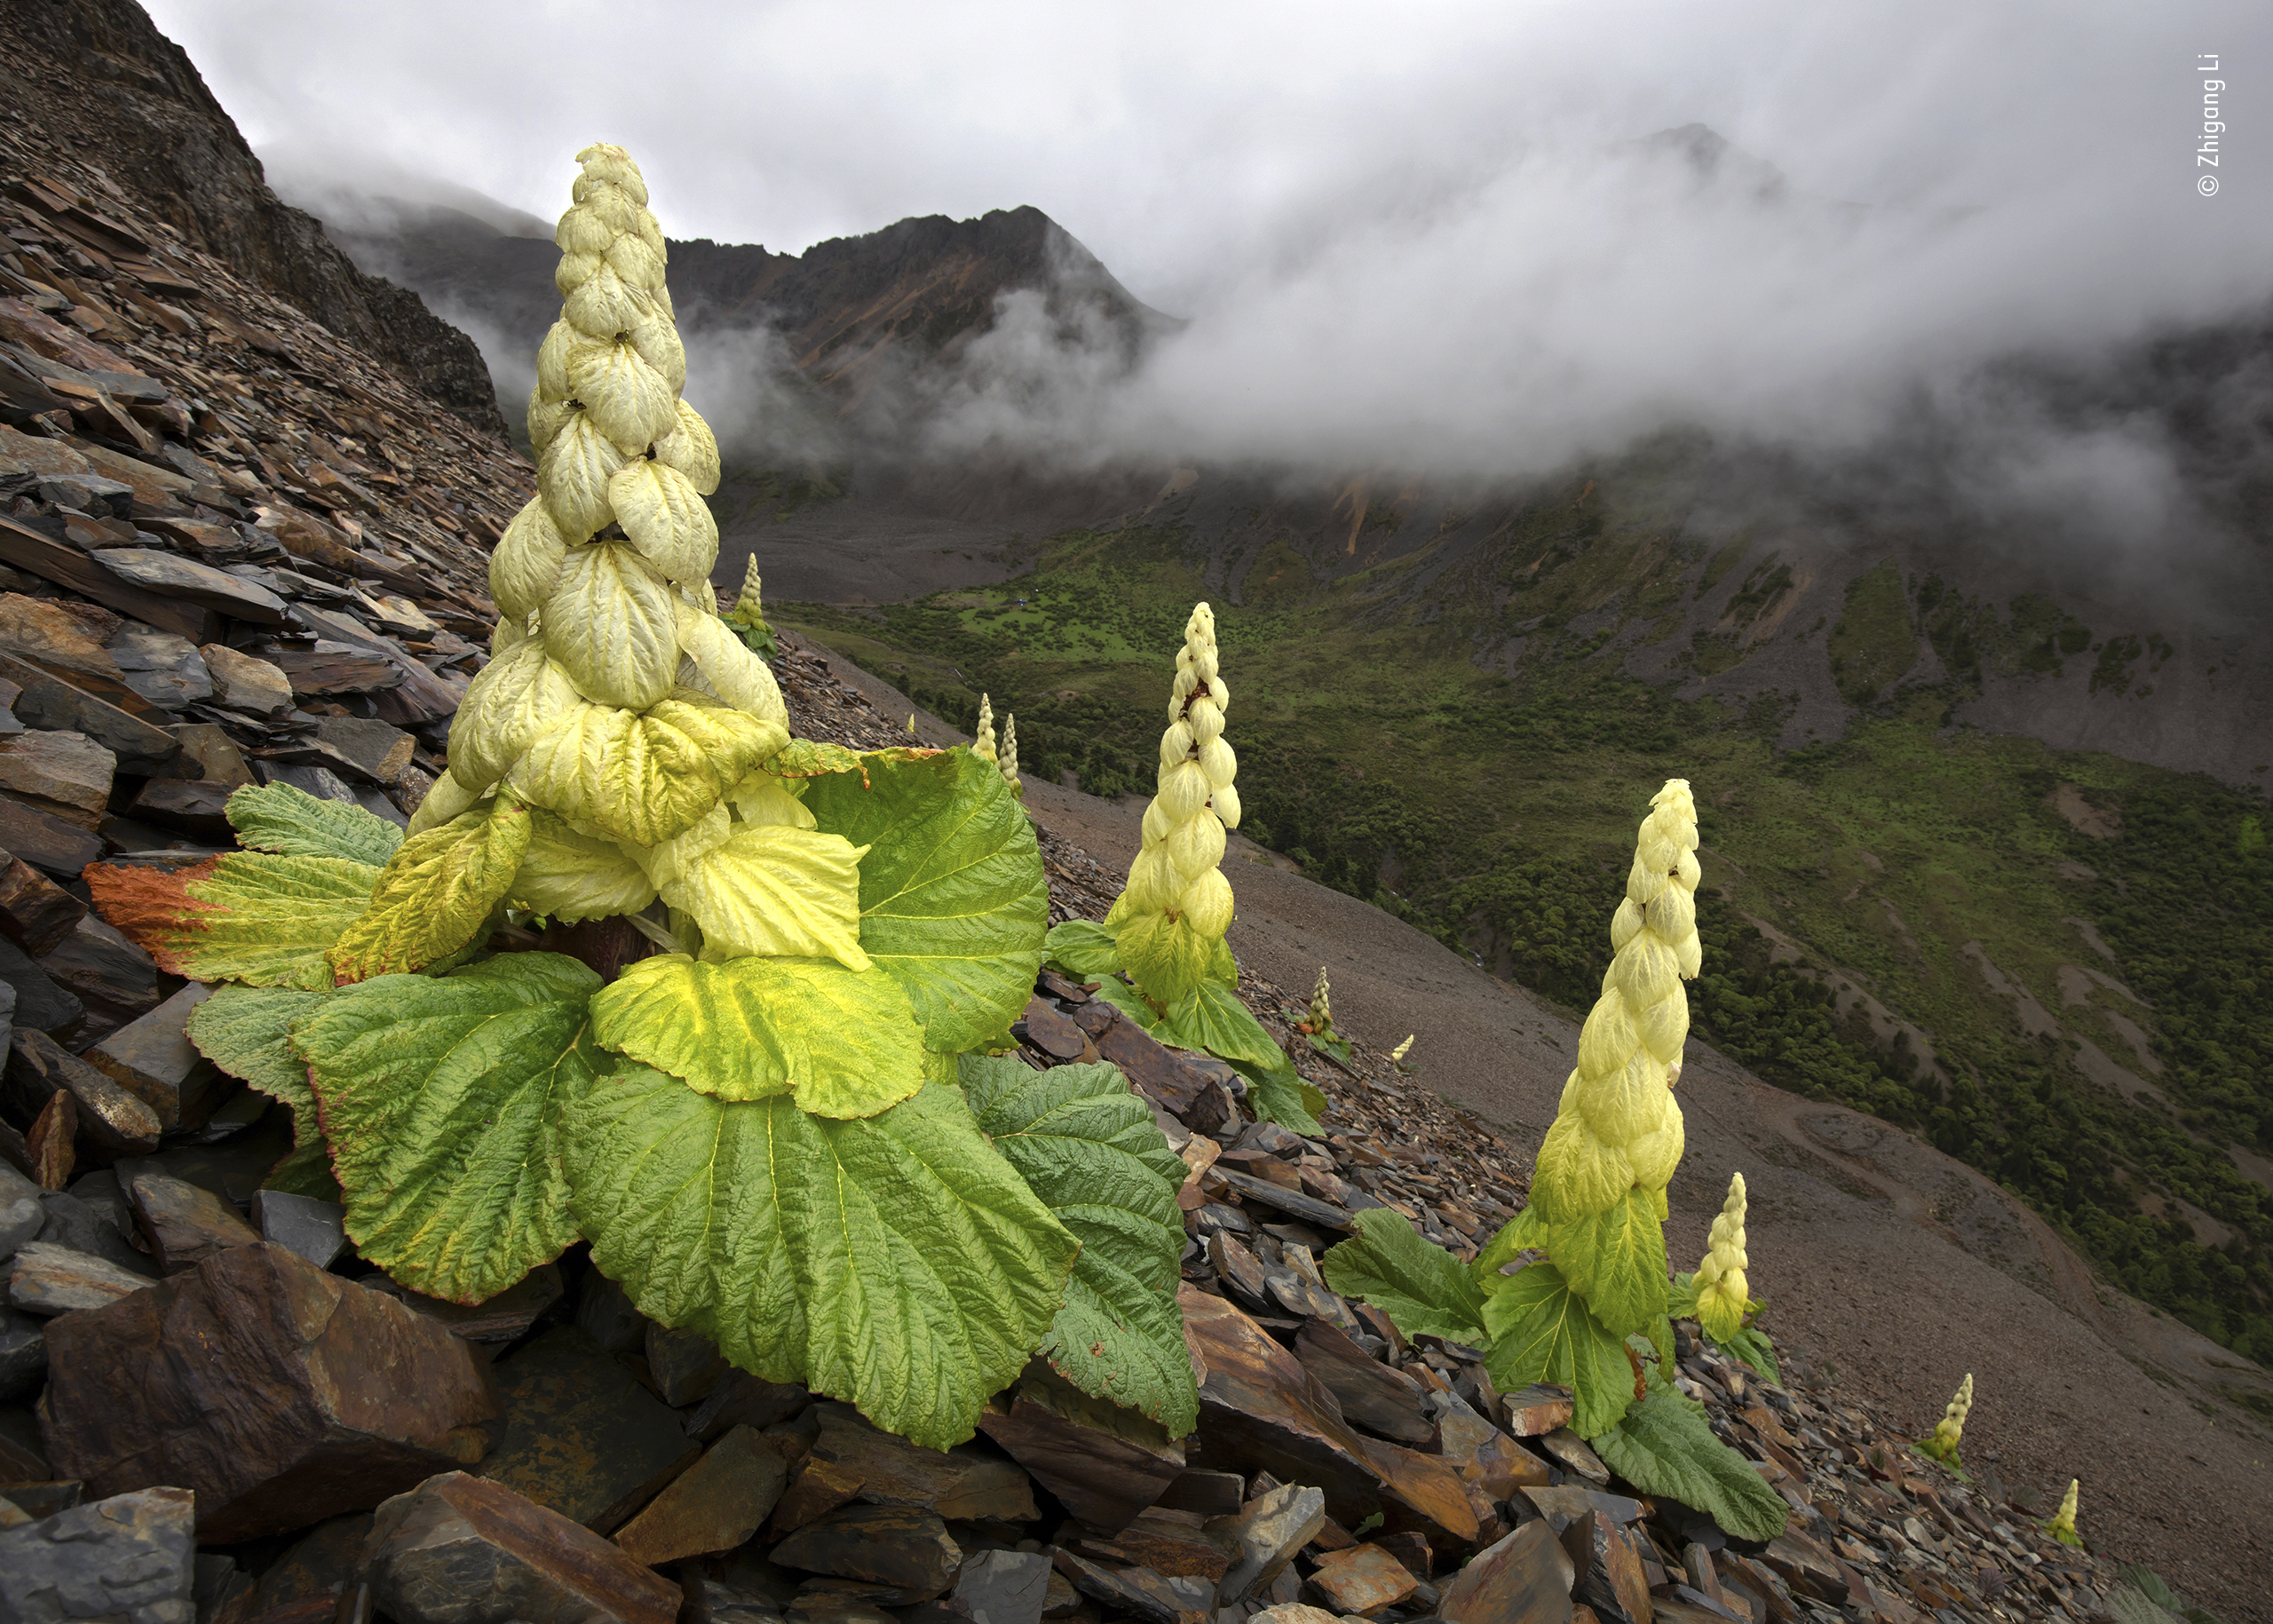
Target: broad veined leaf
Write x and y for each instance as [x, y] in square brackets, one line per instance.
[443, 1097]
[1420, 1287]
[572, 472]
[666, 518]
[246, 1031]
[1665, 1447]
[1526, 1232]
[775, 888]
[1095, 1154]
[953, 897]
[1212, 1017]
[1277, 1094]
[629, 401]
[1113, 990]
[736, 674]
[525, 559]
[242, 917]
[1751, 1344]
[896, 1261]
[1165, 956]
[512, 700]
[436, 893]
[1541, 1332]
[690, 448]
[567, 875]
[642, 777]
[842, 1042]
[293, 823]
[813, 759]
[1083, 949]
[610, 622]
[1616, 1260]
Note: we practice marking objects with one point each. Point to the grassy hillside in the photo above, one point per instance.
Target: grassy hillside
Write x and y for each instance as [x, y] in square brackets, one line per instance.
[2048, 964]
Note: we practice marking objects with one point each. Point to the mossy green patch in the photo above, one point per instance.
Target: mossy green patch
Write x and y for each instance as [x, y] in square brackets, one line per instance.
[1875, 642]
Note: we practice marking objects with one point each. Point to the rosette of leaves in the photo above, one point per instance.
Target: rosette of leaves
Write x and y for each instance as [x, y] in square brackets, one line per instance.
[1575, 1290]
[765, 1132]
[1165, 932]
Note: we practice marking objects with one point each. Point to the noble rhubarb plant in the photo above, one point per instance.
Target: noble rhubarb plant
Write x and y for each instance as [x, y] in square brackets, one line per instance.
[782, 1131]
[1165, 932]
[1717, 1294]
[1575, 1290]
[1949, 1431]
[2063, 1525]
[748, 617]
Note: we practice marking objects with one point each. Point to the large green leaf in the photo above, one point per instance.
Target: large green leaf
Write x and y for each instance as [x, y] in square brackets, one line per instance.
[242, 917]
[1419, 1285]
[1212, 1017]
[642, 777]
[1665, 1447]
[246, 1031]
[1616, 1260]
[1081, 948]
[436, 893]
[1541, 1332]
[954, 901]
[897, 1261]
[772, 889]
[1524, 1232]
[1277, 1094]
[1751, 1344]
[567, 875]
[444, 1100]
[1165, 956]
[1094, 1152]
[842, 1042]
[293, 823]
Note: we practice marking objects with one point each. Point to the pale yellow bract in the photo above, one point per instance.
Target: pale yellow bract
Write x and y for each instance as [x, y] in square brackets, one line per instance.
[1721, 1285]
[1177, 871]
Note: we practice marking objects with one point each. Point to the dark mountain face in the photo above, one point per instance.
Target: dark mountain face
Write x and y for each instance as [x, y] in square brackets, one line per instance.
[97, 73]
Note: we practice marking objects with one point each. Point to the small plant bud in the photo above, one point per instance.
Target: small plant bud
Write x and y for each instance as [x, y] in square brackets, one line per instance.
[1722, 1290]
[2063, 1525]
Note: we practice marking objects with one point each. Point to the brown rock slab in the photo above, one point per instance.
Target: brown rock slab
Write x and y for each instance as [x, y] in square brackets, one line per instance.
[244, 683]
[1208, 1493]
[744, 1400]
[819, 1488]
[459, 1549]
[685, 1364]
[965, 1483]
[184, 1224]
[281, 1394]
[1363, 1579]
[1575, 1455]
[54, 845]
[1373, 1395]
[1535, 1411]
[1052, 1033]
[904, 1548]
[1487, 1457]
[316, 1229]
[113, 977]
[111, 1119]
[1566, 1500]
[162, 667]
[152, 1057]
[1307, 1208]
[333, 668]
[1138, 1592]
[1001, 1587]
[89, 705]
[373, 749]
[1263, 1535]
[51, 1279]
[48, 1143]
[27, 548]
[1614, 1584]
[714, 1505]
[579, 1434]
[1104, 1463]
[65, 775]
[123, 1560]
[193, 807]
[35, 914]
[1523, 1578]
[1260, 1410]
[502, 1318]
[1160, 1073]
[45, 633]
[186, 579]
[1169, 1542]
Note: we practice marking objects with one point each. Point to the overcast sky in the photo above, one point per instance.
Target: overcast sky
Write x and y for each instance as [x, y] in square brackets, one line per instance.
[1403, 229]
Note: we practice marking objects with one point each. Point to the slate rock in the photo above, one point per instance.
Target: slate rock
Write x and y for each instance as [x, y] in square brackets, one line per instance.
[65, 775]
[23, 1356]
[963, 1482]
[105, 710]
[1363, 1579]
[244, 683]
[1569, 1501]
[110, 1119]
[57, 848]
[685, 1364]
[459, 1549]
[282, 1394]
[1104, 1463]
[502, 1318]
[904, 1548]
[35, 914]
[315, 1230]
[578, 1433]
[1000, 1587]
[1614, 1584]
[379, 751]
[123, 1560]
[49, 1280]
[1572, 1453]
[1210, 1494]
[177, 577]
[1264, 1534]
[164, 667]
[152, 1057]
[1293, 1612]
[1523, 1578]
[111, 975]
[184, 1224]
[1051, 1033]
[1377, 1396]
[818, 1488]
[21, 1214]
[1485, 1456]
[46, 633]
[1535, 1411]
[1260, 1410]
[84, 1225]
[40, 1005]
[1138, 1592]
[713, 1506]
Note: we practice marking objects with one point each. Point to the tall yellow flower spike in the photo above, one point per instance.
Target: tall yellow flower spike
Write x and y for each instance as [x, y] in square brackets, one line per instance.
[1617, 1128]
[1950, 1430]
[1172, 915]
[2063, 1525]
[1404, 1048]
[1721, 1285]
[750, 606]
[982, 737]
[1009, 758]
[1321, 1016]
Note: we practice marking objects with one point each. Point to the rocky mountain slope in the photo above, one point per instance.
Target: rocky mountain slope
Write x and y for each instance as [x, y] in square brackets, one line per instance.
[97, 77]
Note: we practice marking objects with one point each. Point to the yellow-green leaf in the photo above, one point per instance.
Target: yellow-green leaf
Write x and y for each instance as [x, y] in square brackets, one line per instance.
[611, 622]
[244, 916]
[1616, 1260]
[775, 888]
[642, 777]
[435, 893]
[841, 1041]
[1541, 1332]
[568, 875]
